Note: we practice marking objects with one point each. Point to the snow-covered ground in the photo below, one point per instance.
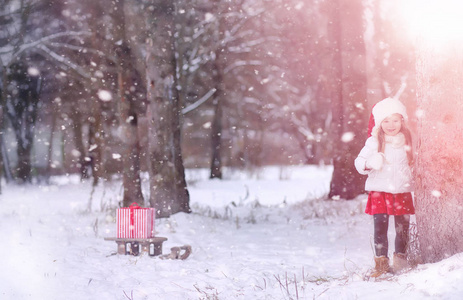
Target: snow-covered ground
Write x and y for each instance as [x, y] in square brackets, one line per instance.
[266, 236]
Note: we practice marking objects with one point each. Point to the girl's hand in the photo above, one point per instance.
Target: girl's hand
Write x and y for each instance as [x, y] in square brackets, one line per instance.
[375, 161]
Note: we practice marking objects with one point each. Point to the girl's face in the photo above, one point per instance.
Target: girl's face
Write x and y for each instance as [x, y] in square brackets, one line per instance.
[392, 124]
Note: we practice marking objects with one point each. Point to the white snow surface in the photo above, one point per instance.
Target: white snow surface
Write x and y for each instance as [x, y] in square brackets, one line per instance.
[266, 235]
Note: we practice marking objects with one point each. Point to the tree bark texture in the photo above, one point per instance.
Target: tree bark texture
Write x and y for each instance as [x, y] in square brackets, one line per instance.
[349, 96]
[128, 117]
[439, 176]
[3, 154]
[216, 139]
[78, 141]
[168, 190]
[220, 64]
[22, 112]
[50, 162]
[96, 146]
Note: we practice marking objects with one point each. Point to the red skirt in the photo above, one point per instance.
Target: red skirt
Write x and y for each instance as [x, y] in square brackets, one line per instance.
[391, 204]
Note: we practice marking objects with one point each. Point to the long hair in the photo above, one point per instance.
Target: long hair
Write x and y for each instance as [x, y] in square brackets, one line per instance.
[408, 141]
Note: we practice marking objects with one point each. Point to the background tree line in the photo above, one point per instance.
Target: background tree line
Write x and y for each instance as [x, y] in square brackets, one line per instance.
[120, 87]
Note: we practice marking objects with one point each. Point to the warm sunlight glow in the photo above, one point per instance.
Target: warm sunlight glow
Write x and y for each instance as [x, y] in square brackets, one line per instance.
[435, 21]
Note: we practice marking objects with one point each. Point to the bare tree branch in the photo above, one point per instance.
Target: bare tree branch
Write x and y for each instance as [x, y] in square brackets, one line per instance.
[43, 40]
[79, 70]
[84, 50]
[199, 102]
[242, 63]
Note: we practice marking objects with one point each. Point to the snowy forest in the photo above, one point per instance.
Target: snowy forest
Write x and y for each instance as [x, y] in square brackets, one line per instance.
[242, 84]
[143, 102]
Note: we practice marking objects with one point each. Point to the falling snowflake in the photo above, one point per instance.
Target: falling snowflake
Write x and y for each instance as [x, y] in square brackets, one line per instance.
[33, 71]
[208, 17]
[419, 113]
[299, 5]
[105, 95]
[264, 81]
[76, 153]
[347, 137]
[359, 105]
[436, 193]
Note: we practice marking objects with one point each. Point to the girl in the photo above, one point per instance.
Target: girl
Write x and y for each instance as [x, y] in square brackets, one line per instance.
[387, 158]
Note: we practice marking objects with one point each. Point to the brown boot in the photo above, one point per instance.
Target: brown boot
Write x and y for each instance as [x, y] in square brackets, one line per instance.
[399, 263]
[381, 266]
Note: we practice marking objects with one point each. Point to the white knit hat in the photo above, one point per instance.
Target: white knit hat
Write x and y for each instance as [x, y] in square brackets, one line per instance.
[384, 109]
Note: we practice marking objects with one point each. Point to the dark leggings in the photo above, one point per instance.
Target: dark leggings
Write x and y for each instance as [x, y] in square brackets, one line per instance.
[381, 222]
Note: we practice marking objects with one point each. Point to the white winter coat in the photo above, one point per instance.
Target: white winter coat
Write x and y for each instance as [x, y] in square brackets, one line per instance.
[394, 177]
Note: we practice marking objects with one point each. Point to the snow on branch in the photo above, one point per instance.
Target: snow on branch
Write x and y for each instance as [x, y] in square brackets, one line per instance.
[232, 34]
[9, 13]
[79, 70]
[199, 102]
[403, 85]
[83, 49]
[6, 49]
[243, 19]
[304, 130]
[242, 63]
[247, 46]
[41, 41]
[198, 33]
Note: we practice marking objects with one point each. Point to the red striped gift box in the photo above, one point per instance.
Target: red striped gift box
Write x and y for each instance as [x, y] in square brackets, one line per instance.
[135, 222]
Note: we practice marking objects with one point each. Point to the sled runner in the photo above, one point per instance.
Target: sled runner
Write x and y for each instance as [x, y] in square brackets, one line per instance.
[133, 246]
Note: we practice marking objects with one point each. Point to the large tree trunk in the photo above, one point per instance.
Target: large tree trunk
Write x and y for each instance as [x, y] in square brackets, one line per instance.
[22, 112]
[439, 165]
[220, 64]
[349, 99]
[127, 113]
[130, 138]
[168, 190]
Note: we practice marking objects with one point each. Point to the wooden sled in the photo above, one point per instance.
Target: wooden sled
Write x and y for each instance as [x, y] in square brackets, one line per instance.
[127, 246]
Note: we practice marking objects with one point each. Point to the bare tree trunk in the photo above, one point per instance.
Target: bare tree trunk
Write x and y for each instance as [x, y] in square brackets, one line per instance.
[96, 146]
[349, 98]
[24, 163]
[23, 114]
[3, 96]
[375, 57]
[129, 136]
[216, 161]
[168, 190]
[51, 143]
[128, 117]
[79, 143]
[220, 98]
[439, 165]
